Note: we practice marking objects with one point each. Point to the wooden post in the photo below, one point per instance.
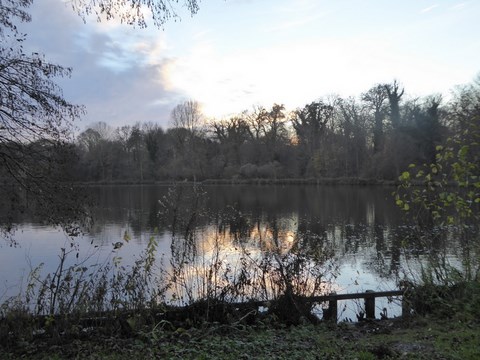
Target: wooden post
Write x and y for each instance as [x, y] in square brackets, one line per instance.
[370, 305]
[332, 310]
[331, 313]
[406, 308]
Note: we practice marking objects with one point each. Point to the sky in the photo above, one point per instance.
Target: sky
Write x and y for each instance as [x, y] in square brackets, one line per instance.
[236, 54]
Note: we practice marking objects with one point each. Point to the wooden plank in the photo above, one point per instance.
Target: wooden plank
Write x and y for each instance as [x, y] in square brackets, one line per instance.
[328, 298]
[355, 296]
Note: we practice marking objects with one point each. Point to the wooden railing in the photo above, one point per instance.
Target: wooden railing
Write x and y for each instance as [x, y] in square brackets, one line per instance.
[369, 297]
[331, 313]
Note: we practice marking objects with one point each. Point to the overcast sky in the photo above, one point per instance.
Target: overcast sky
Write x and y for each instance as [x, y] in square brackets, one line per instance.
[238, 53]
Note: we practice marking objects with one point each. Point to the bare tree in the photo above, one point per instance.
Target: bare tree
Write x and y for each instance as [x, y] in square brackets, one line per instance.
[231, 133]
[353, 119]
[136, 145]
[234, 129]
[375, 99]
[187, 115]
[88, 139]
[105, 131]
[187, 119]
[310, 124]
[257, 122]
[122, 134]
[35, 125]
[275, 131]
[134, 12]
[153, 135]
[394, 94]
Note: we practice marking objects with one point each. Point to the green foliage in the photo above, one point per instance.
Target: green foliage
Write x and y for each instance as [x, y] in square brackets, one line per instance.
[447, 191]
[423, 338]
[444, 195]
[365, 355]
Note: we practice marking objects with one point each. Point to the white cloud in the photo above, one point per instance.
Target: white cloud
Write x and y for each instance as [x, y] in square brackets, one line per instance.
[125, 75]
[297, 73]
[292, 74]
[459, 6]
[428, 9]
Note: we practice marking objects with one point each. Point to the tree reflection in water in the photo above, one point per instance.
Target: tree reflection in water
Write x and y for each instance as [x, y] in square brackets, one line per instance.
[237, 259]
[244, 242]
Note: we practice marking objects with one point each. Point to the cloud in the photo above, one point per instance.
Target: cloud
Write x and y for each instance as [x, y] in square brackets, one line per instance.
[121, 47]
[124, 75]
[132, 97]
[299, 72]
[116, 69]
[428, 9]
[291, 74]
[459, 6]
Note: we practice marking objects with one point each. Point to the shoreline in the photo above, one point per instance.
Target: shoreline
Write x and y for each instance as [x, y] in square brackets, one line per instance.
[256, 181]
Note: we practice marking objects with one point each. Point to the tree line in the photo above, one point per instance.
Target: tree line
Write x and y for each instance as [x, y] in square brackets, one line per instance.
[375, 135]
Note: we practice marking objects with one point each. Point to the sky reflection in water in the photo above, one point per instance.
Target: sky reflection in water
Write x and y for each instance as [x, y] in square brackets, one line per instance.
[360, 224]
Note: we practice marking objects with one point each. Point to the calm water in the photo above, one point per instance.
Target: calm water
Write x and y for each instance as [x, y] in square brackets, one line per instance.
[361, 224]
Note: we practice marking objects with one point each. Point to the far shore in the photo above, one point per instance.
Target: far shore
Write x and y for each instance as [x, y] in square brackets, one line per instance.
[256, 181]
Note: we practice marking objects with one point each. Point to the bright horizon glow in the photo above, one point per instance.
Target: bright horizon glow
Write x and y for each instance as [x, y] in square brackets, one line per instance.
[236, 54]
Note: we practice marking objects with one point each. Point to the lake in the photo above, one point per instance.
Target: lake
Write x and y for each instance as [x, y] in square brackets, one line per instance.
[359, 227]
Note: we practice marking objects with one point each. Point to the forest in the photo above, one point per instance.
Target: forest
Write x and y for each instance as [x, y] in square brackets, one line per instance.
[375, 136]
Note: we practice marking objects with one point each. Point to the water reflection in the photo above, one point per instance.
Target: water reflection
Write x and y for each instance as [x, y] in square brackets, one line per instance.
[358, 227]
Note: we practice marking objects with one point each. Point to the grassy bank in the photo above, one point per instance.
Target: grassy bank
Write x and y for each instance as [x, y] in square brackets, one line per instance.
[416, 338]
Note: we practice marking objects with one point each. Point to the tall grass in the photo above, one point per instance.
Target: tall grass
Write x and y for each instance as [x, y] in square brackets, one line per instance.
[212, 272]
